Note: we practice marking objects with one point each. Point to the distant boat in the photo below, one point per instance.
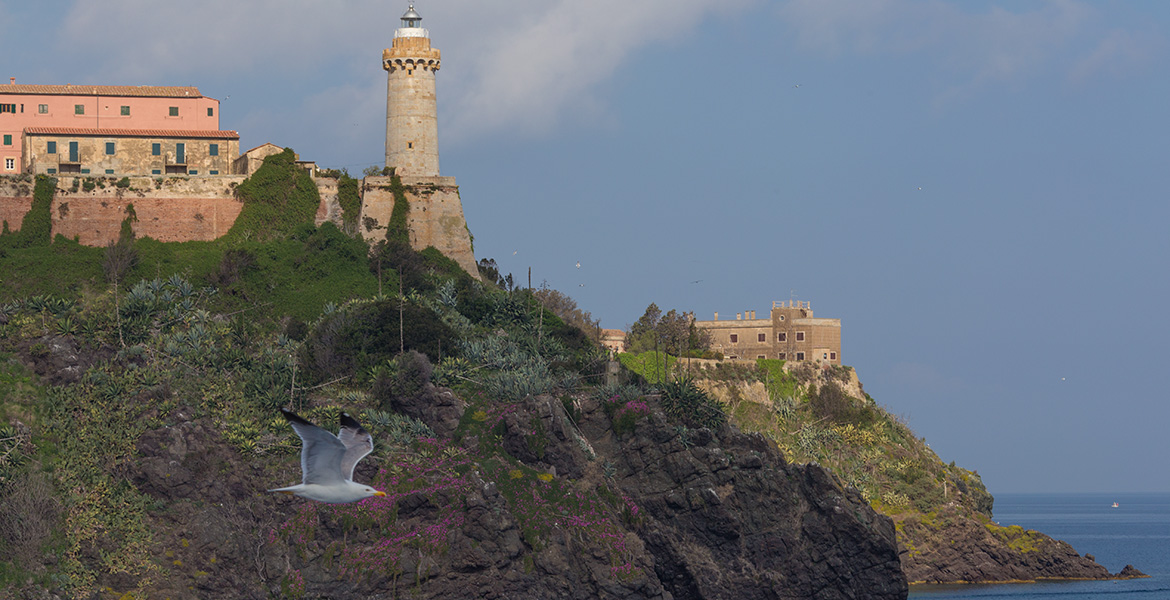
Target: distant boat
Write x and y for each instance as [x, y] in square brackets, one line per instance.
[1116, 505]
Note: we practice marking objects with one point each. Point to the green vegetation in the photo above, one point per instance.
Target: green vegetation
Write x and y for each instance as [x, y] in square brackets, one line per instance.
[807, 411]
[278, 198]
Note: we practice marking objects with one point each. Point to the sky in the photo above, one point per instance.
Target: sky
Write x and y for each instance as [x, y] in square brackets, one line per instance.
[976, 188]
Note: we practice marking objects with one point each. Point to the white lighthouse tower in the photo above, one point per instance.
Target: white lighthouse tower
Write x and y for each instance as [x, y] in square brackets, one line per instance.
[412, 124]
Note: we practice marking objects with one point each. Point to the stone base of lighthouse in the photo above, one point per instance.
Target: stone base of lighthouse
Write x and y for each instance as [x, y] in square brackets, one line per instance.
[435, 218]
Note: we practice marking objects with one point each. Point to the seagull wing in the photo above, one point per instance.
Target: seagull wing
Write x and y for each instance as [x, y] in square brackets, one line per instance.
[321, 452]
[357, 441]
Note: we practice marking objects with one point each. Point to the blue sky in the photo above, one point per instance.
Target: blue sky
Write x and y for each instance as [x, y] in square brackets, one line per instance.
[1012, 309]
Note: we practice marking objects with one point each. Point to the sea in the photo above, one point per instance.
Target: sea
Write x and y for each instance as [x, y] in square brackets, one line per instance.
[1137, 532]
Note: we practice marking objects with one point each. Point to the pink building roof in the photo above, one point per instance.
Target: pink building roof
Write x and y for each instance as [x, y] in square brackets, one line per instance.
[158, 133]
[144, 91]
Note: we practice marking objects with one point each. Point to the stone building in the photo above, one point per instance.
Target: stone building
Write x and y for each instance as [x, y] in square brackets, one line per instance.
[789, 333]
[94, 119]
[123, 152]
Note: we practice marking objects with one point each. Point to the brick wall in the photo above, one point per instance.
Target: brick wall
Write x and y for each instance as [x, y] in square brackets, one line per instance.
[171, 209]
[15, 201]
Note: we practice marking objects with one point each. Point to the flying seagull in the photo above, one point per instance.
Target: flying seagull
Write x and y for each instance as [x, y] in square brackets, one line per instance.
[327, 461]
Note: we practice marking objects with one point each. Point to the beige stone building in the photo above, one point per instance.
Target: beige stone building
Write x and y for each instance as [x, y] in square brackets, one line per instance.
[129, 152]
[613, 340]
[790, 332]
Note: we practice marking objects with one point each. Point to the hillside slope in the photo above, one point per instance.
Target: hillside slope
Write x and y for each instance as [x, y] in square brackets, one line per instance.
[140, 430]
[942, 513]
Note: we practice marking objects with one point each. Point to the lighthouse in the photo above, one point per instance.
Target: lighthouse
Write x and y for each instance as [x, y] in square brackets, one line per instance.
[412, 124]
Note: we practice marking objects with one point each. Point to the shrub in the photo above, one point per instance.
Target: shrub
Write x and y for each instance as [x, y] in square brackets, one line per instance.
[364, 334]
[406, 377]
[684, 401]
[234, 264]
[277, 198]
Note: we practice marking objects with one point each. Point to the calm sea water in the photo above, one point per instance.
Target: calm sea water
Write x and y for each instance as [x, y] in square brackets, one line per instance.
[1137, 533]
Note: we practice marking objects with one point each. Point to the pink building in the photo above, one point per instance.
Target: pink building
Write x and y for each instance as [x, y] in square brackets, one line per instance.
[100, 111]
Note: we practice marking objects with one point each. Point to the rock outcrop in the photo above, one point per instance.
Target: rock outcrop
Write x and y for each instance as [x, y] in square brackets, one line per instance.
[708, 515]
[953, 547]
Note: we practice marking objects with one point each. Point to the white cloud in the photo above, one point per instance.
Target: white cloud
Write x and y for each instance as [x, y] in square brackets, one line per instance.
[970, 49]
[527, 79]
[523, 66]
[1118, 52]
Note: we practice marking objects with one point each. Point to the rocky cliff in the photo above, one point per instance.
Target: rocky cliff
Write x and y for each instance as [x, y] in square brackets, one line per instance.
[942, 512]
[539, 498]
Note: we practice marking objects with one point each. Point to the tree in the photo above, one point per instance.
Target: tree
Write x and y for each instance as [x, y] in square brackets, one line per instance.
[673, 332]
[563, 306]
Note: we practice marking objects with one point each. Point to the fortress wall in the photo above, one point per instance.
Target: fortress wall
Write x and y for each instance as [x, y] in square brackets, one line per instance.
[15, 200]
[436, 216]
[330, 208]
[171, 209]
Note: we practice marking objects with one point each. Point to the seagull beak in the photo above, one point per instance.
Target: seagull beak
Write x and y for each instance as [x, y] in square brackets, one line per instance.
[379, 493]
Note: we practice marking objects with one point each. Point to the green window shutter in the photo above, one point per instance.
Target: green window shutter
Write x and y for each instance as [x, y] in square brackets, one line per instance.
[8, 140]
[181, 153]
[51, 170]
[155, 172]
[174, 111]
[79, 109]
[109, 171]
[210, 112]
[213, 149]
[213, 172]
[125, 111]
[155, 149]
[110, 148]
[51, 148]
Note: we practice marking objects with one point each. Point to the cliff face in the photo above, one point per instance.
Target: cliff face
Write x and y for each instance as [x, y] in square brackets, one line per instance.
[699, 515]
[942, 513]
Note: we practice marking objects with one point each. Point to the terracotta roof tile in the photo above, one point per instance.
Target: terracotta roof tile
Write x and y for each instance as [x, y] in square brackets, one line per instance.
[153, 133]
[148, 91]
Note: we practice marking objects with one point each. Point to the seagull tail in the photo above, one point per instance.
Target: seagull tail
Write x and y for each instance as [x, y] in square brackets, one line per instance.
[288, 490]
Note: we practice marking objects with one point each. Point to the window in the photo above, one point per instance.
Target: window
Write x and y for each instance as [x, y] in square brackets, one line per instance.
[110, 148]
[782, 356]
[155, 149]
[7, 108]
[125, 111]
[51, 148]
[832, 356]
[761, 356]
[409, 145]
[43, 109]
[210, 111]
[192, 172]
[800, 336]
[782, 336]
[174, 111]
[79, 109]
[762, 337]
[781, 317]
[51, 171]
[734, 339]
[824, 356]
[109, 171]
[800, 356]
[8, 139]
[155, 172]
[213, 149]
[213, 172]
[9, 164]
